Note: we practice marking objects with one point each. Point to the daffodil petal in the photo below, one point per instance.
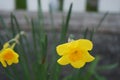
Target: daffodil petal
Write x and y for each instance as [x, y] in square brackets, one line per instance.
[4, 63]
[6, 45]
[62, 49]
[16, 60]
[87, 57]
[85, 44]
[63, 60]
[9, 62]
[78, 64]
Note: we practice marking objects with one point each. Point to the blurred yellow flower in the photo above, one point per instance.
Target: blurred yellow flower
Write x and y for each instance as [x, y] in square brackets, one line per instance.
[75, 53]
[8, 55]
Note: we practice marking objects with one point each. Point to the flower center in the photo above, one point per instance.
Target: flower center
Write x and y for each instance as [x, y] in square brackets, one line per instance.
[75, 56]
[8, 55]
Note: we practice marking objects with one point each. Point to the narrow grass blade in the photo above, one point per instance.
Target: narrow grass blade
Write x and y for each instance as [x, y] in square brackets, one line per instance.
[66, 25]
[12, 26]
[9, 74]
[92, 32]
[108, 67]
[85, 34]
[17, 26]
[4, 26]
[91, 69]
[34, 37]
[102, 19]
[98, 77]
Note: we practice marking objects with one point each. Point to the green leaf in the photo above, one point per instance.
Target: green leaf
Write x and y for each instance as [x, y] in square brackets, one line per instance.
[66, 25]
[98, 77]
[92, 32]
[91, 69]
[85, 34]
[101, 20]
[9, 74]
[69, 77]
[108, 67]
[4, 26]
[41, 72]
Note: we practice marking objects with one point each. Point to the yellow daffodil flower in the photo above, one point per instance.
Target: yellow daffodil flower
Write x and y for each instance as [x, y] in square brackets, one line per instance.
[8, 56]
[75, 53]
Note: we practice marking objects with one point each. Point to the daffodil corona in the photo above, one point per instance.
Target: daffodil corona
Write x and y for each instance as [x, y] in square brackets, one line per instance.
[75, 53]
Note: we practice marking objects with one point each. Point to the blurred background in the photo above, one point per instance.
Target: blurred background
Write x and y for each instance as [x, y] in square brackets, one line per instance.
[59, 5]
[103, 14]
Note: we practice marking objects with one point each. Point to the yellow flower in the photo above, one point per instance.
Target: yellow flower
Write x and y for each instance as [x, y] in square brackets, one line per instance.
[8, 55]
[75, 53]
